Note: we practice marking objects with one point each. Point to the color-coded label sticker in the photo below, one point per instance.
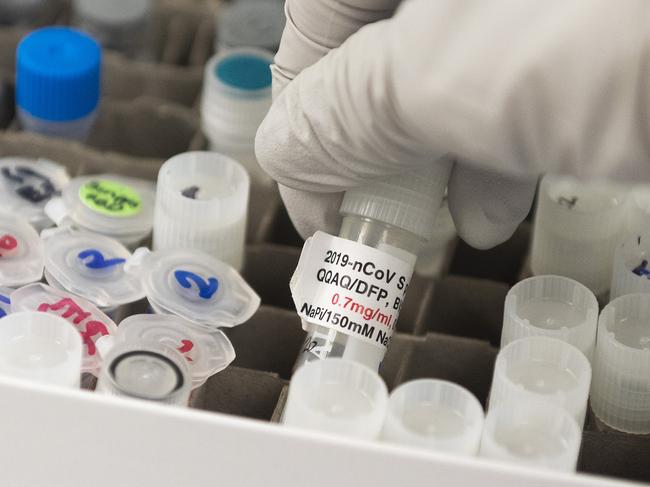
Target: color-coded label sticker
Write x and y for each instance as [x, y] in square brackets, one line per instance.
[110, 198]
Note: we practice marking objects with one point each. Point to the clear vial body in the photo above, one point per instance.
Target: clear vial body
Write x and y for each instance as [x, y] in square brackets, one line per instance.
[323, 342]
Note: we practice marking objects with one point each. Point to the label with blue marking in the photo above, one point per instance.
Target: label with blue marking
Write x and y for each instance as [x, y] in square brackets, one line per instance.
[94, 259]
[205, 289]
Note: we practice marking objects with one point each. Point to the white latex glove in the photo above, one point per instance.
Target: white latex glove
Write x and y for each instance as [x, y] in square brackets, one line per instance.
[517, 87]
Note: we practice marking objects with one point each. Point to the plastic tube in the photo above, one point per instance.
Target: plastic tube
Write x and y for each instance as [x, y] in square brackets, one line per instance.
[632, 266]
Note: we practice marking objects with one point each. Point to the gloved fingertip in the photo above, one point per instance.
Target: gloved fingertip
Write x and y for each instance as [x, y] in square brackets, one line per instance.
[310, 212]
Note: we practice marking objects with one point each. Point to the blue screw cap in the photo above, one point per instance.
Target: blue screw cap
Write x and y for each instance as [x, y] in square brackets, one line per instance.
[58, 74]
[244, 71]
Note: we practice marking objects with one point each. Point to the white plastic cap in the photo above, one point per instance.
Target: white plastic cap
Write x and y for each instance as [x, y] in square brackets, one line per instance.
[206, 353]
[26, 185]
[146, 370]
[236, 97]
[90, 322]
[409, 201]
[40, 347]
[250, 23]
[337, 396]
[577, 228]
[194, 286]
[116, 206]
[544, 369]
[21, 252]
[620, 395]
[632, 266]
[202, 204]
[434, 414]
[91, 266]
[551, 306]
[638, 207]
[532, 433]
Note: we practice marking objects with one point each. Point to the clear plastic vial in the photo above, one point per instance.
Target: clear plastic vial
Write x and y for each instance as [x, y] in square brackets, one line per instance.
[395, 216]
[632, 266]
[58, 82]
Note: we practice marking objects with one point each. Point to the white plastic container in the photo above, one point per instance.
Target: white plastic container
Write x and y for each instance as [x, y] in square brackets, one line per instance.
[40, 347]
[236, 97]
[542, 369]
[116, 206]
[532, 433]
[577, 228]
[58, 82]
[89, 321]
[337, 396]
[195, 286]
[21, 252]
[206, 353]
[620, 394]
[26, 185]
[122, 25]
[202, 204]
[91, 266]
[146, 370]
[631, 272]
[638, 207]
[552, 306]
[435, 415]
[250, 23]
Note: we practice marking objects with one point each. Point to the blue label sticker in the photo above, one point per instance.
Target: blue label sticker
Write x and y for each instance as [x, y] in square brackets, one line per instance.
[97, 259]
[206, 289]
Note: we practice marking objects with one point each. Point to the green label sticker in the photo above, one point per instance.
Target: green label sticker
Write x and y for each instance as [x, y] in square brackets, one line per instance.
[110, 198]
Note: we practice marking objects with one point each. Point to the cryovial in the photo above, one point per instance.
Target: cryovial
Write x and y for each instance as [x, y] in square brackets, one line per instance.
[638, 208]
[18, 12]
[349, 289]
[145, 370]
[436, 415]
[533, 434]
[435, 257]
[91, 266]
[236, 97]
[26, 185]
[122, 25]
[58, 82]
[551, 306]
[577, 228]
[631, 272]
[250, 23]
[206, 353]
[544, 369]
[202, 203]
[620, 394]
[119, 207]
[40, 347]
[5, 301]
[21, 252]
[208, 293]
[89, 321]
[337, 396]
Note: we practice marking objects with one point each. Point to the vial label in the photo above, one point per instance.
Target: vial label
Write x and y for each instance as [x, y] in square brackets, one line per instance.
[110, 198]
[350, 287]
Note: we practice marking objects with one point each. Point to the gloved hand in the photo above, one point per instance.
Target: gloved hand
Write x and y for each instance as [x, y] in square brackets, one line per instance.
[509, 88]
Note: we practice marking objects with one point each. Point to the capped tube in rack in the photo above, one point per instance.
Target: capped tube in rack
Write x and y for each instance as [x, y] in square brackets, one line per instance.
[552, 306]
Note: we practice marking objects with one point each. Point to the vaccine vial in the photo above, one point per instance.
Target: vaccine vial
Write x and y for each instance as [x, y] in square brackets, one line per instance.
[40, 347]
[145, 370]
[250, 23]
[202, 204]
[436, 415]
[396, 217]
[551, 306]
[532, 434]
[543, 369]
[236, 97]
[337, 396]
[620, 394]
[58, 82]
[577, 228]
[632, 266]
[121, 25]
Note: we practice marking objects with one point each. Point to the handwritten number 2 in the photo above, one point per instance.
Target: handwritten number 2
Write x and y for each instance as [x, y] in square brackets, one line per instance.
[206, 289]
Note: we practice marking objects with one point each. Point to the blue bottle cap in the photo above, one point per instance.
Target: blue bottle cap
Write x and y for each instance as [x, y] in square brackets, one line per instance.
[244, 71]
[58, 74]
